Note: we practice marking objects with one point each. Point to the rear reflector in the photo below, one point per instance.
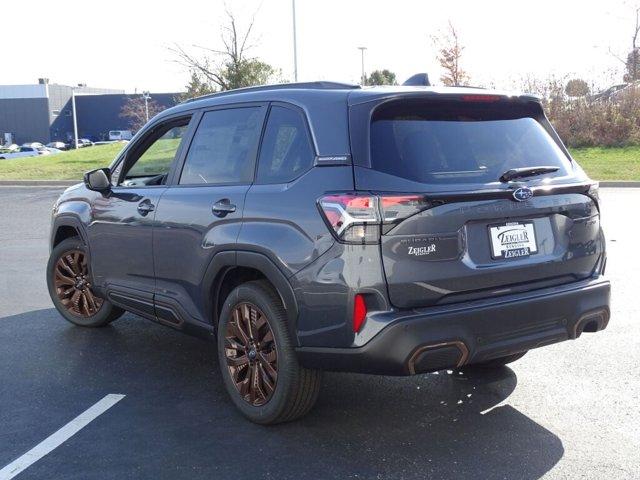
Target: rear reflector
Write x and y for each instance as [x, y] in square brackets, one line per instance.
[359, 312]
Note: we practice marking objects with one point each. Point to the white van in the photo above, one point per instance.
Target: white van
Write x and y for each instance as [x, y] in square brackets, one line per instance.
[120, 135]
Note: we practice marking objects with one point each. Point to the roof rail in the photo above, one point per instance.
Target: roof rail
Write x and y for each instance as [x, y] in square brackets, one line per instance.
[467, 86]
[320, 85]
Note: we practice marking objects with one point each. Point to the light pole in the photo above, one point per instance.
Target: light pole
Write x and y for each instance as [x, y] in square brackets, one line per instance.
[295, 42]
[364, 78]
[75, 117]
[146, 95]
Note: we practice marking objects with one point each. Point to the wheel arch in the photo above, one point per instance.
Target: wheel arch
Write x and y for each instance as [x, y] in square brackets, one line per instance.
[66, 226]
[232, 268]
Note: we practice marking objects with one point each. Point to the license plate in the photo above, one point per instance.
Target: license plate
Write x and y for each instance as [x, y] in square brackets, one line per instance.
[513, 240]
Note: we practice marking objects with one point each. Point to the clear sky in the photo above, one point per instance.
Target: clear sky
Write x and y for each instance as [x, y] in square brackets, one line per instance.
[124, 44]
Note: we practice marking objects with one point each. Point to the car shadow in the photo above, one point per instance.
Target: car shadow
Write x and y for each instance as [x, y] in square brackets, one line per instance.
[177, 422]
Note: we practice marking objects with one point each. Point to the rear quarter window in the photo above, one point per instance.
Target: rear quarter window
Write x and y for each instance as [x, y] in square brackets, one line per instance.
[286, 150]
[459, 142]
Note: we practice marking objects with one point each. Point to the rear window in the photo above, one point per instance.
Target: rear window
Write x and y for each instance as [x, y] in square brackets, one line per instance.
[460, 142]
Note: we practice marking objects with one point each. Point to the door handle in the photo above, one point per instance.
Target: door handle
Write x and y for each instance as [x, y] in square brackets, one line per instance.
[223, 207]
[145, 206]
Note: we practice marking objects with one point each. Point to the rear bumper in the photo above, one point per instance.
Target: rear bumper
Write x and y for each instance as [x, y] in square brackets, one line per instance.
[418, 341]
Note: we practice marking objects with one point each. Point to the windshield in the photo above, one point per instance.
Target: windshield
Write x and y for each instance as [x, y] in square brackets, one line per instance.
[458, 142]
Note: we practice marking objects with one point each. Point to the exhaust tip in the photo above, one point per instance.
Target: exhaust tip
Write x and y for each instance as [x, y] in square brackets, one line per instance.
[430, 358]
[591, 322]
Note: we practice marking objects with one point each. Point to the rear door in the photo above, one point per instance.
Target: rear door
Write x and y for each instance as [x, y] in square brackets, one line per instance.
[452, 230]
[200, 214]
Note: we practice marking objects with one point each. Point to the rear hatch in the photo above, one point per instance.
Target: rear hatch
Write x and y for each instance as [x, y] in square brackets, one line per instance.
[452, 230]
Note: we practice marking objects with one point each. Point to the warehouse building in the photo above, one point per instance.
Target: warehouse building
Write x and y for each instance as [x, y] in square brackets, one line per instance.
[97, 114]
[43, 112]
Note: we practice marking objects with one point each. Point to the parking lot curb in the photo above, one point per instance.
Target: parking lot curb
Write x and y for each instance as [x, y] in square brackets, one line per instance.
[619, 183]
[38, 183]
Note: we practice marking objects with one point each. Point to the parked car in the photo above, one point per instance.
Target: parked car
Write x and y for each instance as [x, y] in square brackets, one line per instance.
[33, 145]
[53, 150]
[82, 142]
[9, 148]
[25, 152]
[322, 226]
[615, 93]
[120, 135]
[58, 145]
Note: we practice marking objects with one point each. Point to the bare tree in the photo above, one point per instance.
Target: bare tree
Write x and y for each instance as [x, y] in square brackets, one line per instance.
[631, 61]
[136, 114]
[229, 67]
[196, 87]
[449, 55]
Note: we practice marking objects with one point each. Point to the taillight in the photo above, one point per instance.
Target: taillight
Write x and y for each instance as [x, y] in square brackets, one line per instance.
[353, 218]
[359, 312]
[594, 194]
[359, 218]
[396, 208]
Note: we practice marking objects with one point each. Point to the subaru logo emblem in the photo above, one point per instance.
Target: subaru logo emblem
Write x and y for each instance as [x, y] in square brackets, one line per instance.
[522, 194]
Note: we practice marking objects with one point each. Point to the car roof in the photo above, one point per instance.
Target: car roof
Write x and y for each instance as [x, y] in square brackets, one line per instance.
[325, 104]
[299, 92]
[296, 93]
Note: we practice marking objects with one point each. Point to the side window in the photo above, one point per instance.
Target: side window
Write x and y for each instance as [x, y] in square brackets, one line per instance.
[152, 162]
[286, 150]
[223, 148]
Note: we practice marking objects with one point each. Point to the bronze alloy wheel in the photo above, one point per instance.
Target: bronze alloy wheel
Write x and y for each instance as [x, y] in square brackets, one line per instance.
[73, 285]
[251, 353]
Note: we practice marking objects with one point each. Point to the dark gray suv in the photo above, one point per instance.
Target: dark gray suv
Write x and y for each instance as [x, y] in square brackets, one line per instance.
[324, 226]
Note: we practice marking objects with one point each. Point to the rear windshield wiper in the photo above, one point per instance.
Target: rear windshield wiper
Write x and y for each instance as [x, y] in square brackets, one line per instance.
[526, 172]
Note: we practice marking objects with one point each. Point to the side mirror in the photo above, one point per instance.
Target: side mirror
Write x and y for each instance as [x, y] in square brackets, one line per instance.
[98, 180]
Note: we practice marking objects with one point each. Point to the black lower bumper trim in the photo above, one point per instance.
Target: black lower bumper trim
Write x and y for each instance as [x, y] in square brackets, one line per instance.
[419, 341]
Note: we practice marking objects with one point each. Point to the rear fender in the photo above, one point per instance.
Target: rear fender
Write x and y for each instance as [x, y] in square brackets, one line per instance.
[223, 262]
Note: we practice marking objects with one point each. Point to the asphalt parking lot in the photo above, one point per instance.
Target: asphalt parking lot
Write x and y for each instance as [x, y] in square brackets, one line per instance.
[571, 410]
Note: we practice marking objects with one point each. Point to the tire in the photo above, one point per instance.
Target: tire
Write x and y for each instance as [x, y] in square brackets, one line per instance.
[77, 303]
[246, 353]
[499, 362]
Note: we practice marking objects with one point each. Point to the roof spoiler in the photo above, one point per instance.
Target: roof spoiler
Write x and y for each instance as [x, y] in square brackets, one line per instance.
[417, 80]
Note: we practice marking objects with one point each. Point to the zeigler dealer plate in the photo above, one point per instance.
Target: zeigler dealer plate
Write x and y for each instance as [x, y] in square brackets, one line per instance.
[513, 240]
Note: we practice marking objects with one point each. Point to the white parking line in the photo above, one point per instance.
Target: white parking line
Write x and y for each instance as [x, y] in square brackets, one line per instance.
[58, 438]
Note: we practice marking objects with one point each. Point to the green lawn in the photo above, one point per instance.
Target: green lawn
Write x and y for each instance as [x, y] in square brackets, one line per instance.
[609, 163]
[63, 166]
[600, 163]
